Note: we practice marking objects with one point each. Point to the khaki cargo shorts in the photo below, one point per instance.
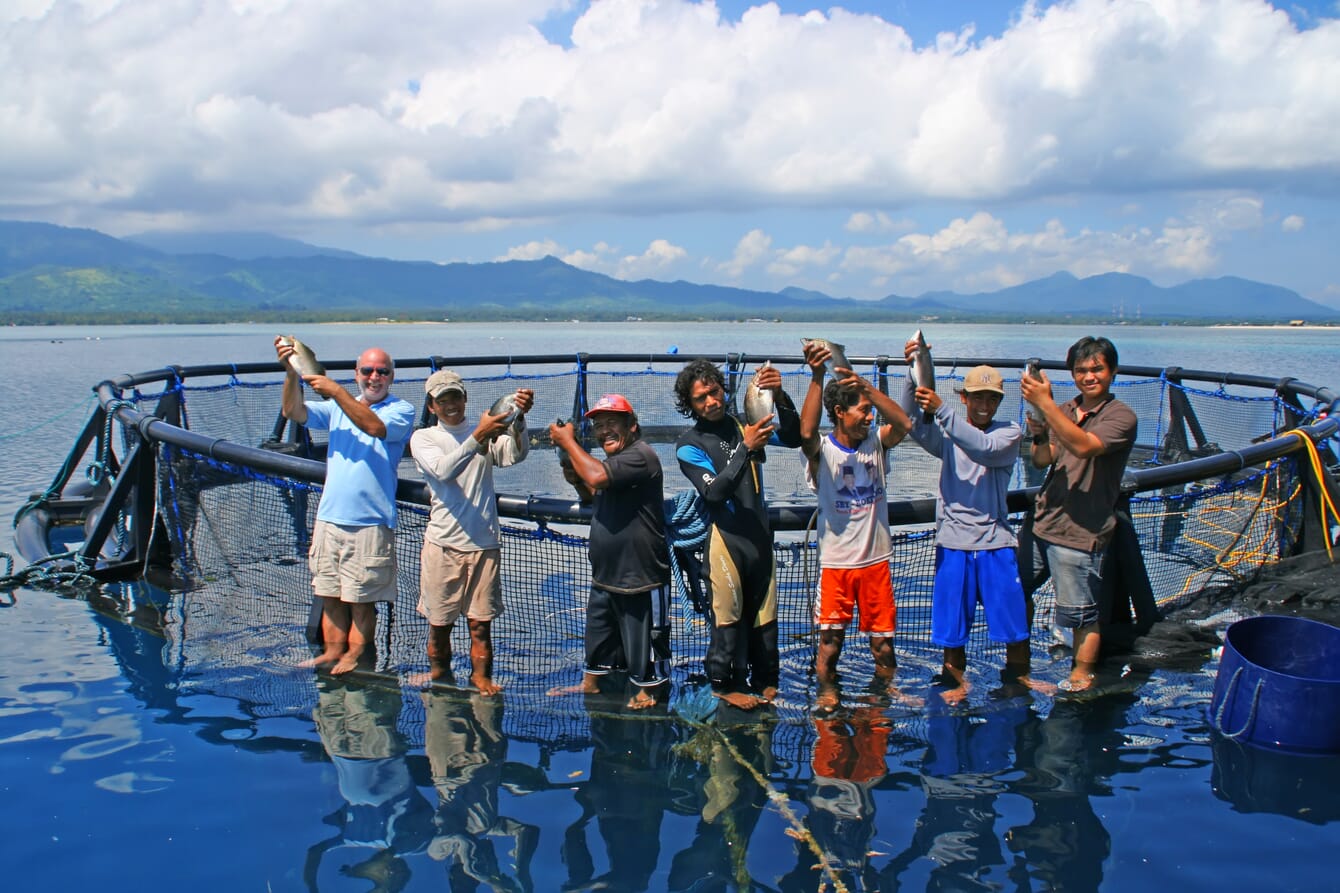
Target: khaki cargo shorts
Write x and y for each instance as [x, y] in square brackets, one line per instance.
[452, 582]
[353, 564]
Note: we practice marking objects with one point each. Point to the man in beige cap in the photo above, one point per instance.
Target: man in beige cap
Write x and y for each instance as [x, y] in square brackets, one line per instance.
[974, 543]
[460, 570]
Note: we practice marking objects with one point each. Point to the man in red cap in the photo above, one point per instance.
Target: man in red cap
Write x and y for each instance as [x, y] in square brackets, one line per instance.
[628, 612]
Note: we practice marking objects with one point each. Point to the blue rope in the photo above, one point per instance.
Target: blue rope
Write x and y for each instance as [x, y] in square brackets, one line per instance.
[685, 528]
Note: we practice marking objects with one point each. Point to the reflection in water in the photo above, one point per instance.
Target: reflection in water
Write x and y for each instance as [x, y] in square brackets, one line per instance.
[384, 813]
[1066, 760]
[966, 753]
[466, 749]
[728, 750]
[628, 795]
[849, 762]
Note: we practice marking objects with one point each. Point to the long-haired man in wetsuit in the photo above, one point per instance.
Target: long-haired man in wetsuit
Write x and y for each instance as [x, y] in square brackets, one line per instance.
[723, 458]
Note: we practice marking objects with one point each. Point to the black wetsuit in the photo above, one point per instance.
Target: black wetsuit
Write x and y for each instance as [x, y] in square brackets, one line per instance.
[738, 559]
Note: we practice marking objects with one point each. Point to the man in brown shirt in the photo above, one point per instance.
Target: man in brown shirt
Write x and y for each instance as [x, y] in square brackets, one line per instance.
[1086, 441]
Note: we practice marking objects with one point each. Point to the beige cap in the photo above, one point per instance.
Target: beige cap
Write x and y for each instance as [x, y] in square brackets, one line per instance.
[441, 381]
[983, 378]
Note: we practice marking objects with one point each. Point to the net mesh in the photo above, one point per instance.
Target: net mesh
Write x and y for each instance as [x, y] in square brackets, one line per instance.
[240, 538]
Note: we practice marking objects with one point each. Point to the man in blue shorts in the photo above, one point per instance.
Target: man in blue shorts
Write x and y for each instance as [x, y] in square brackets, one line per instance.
[974, 544]
[352, 557]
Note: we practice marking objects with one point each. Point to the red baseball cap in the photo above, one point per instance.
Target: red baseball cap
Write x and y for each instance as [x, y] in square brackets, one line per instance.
[611, 403]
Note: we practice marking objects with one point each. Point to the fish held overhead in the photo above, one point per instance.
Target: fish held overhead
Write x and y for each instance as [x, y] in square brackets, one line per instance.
[303, 360]
[838, 358]
[923, 368]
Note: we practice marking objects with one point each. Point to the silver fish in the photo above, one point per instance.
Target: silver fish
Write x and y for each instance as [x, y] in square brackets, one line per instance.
[506, 403]
[1033, 369]
[838, 360]
[758, 402]
[923, 369]
[303, 360]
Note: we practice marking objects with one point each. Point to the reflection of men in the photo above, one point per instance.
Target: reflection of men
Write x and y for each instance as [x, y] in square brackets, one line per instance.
[466, 749]
[734, 750]
[1086, 441]
[627, 613]
[974, 543]
[722, 459]
[385, 816]
[849, 762]
[627, 792]
[352, 557]
[854, 542]
[462, 547]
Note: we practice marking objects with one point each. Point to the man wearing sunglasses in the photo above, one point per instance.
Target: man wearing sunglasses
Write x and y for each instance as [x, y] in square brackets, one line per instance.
[352, 557]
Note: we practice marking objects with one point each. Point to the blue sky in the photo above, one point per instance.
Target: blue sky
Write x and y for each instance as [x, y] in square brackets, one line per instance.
[860, 149]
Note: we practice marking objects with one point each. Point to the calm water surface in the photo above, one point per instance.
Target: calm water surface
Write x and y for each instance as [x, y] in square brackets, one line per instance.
[117, 772]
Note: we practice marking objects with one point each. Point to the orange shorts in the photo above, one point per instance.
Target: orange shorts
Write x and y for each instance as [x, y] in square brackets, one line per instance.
[869, 588]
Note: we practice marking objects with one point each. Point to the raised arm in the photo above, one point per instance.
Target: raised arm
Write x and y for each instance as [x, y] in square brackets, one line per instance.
[811, 411]
[1055, 423]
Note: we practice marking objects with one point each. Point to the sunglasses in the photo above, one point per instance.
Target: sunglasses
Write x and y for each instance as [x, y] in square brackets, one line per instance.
[368, 370]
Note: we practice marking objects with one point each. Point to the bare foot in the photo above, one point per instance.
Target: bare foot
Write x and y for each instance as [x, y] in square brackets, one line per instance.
[485, 685]
[322, 661]
[1037, 685]
[346, 664]
[642, 700]
[769, 694]
[427, 680]
[826, 699]
[740, 700]
[1078, 680]
[590, 685]
[956, 695]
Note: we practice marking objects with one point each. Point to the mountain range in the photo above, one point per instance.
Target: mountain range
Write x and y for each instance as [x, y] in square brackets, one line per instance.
[52, 274]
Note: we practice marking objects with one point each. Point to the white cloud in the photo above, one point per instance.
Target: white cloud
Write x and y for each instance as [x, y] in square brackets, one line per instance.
[752, 248]
[1294, 223]
[449, 110]
[659, 257]
[533, 250]
[980, 253]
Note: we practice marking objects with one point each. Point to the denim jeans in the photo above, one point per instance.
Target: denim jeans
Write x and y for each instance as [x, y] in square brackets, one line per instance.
[1077, 577]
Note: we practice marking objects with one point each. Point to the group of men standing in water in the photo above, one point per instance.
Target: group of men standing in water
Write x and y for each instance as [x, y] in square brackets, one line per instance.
[1084, 444]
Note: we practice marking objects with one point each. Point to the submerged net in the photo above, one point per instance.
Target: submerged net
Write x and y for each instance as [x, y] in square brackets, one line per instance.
[239, 540]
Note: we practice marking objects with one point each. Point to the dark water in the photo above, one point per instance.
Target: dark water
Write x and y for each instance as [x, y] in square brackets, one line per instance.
[121, 770]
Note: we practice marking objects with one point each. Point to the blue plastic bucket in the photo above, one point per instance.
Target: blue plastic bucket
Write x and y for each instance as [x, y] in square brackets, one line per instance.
[1279, 685]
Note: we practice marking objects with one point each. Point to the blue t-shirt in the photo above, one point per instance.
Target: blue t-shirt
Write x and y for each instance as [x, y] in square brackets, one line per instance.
[360, 468]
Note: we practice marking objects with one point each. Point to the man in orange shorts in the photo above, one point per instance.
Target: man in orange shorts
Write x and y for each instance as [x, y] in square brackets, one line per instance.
[847, 468]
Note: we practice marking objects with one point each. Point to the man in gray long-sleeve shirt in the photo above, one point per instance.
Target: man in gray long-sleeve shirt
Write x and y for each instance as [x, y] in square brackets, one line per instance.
[974, 551]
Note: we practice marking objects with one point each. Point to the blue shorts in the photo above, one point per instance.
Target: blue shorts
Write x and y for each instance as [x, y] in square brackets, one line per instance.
[965, 577]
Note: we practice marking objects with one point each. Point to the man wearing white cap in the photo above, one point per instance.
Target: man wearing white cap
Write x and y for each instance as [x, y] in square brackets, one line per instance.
[628, 611]
[974, 543]
[462, 547]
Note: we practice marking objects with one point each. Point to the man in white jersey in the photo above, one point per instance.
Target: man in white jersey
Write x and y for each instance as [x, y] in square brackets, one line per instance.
[847, 468]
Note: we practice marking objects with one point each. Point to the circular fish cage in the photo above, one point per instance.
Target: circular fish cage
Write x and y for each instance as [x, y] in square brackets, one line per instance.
[200, 477]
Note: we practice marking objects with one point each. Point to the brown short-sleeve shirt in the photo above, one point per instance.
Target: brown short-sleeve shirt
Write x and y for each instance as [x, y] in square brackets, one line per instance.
[1076, 505]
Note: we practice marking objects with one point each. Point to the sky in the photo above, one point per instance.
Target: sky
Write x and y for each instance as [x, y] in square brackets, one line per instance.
[860, 150]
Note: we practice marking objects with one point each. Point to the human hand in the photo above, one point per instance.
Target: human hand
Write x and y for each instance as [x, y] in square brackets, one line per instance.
[816, 355]
[757, 435]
